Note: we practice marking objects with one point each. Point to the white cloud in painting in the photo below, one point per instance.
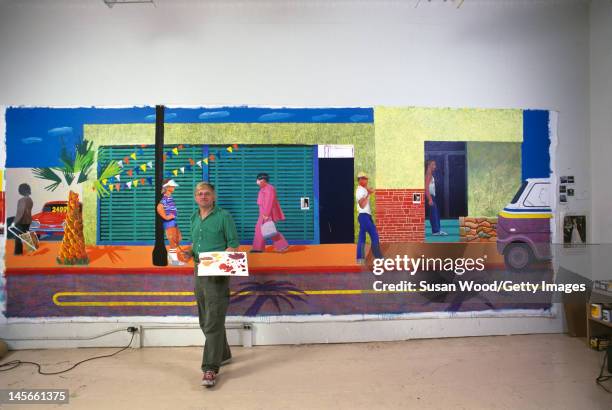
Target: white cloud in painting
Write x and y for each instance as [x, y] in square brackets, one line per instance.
[31, 140]
[56, 132]
[358, 117]
[167, 116]
[275, 116]
[323, 117]
[213, 114]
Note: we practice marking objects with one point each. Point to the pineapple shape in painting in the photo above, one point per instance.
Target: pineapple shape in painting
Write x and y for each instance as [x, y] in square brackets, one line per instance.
[72, 250]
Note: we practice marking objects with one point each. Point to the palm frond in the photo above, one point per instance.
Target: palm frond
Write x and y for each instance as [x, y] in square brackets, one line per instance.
[68, 172]
[47, 174]
[286, 300]
[83, 164]
[275, 301]
[111, 169]
[84, 159]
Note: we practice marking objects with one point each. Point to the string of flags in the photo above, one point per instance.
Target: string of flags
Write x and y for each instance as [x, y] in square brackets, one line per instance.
[115, 183]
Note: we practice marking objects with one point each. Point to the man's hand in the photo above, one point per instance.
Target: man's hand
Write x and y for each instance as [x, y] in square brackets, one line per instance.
[370, 191]
[265, 218]
[430, 202]
[231, 250]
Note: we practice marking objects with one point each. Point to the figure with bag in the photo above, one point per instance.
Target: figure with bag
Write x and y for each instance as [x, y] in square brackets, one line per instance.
[270, 212]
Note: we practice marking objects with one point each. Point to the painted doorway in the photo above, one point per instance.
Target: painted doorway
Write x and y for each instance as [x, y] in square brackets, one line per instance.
[450, 187]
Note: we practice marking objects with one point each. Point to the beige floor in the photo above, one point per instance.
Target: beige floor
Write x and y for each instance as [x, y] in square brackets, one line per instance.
[506, 372]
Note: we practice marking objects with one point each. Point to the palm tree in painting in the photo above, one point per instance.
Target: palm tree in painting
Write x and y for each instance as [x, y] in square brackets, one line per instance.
[75, 169]
[271, 290]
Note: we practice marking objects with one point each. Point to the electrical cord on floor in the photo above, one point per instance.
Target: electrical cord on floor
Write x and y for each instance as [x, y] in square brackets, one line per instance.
[16, 363]
[601, 378]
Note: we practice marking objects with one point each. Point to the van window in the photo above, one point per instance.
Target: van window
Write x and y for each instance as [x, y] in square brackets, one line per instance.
[519, 193]
[538, 196]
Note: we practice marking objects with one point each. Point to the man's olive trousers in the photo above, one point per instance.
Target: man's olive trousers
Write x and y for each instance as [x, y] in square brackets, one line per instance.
[212, 295]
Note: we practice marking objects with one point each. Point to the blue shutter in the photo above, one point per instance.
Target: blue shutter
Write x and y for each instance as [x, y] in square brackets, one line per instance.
[291, 172]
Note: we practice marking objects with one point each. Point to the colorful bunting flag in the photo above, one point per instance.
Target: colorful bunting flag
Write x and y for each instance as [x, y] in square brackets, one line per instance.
[133, 156]
[175, 151]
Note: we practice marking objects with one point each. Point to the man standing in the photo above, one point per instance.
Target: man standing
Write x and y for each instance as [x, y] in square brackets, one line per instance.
[366, 224]
[269, 210]
[212, 229]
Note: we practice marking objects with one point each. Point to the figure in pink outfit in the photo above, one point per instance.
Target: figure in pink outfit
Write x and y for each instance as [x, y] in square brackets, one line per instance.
[269, 209]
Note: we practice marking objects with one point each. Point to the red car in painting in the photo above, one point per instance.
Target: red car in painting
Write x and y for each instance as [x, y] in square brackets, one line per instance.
[50, 221]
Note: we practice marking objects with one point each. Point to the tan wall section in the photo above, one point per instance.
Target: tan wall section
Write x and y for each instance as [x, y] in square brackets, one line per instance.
[401, 133]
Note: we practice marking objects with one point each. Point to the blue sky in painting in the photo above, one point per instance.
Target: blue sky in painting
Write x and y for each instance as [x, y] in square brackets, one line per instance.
[34, 136]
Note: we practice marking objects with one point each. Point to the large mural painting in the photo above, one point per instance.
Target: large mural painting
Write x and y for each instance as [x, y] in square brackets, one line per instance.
[365, 198]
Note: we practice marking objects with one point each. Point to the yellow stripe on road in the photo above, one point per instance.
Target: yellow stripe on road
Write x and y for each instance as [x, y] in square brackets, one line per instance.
[58, 295]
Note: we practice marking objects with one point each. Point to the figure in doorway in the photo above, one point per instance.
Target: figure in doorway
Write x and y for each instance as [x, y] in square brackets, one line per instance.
[366, 223]
[430, 195]
[269, 211]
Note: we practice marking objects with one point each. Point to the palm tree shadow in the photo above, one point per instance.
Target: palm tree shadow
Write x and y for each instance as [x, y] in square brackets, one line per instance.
[42, 249]
[454, 299]
[269, 291]
[292, 249]
[112, 252]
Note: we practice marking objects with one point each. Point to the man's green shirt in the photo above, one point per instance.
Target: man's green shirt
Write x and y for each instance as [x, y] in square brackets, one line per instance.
[216, 232]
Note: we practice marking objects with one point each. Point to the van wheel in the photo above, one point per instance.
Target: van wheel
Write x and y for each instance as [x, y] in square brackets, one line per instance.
[518, 256]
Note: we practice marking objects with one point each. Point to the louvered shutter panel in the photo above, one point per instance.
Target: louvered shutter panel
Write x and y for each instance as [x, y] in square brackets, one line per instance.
[291, 172]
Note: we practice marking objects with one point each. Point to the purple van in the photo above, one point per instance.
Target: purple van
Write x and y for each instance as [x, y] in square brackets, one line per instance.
[523, 227]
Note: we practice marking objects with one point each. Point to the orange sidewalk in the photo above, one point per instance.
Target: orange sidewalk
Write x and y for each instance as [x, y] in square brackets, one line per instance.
[333, 257]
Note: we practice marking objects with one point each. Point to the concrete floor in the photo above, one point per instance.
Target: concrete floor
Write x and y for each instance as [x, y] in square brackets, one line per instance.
[505, 372]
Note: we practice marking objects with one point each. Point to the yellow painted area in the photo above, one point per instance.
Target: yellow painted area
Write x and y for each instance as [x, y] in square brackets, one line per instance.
[522, 215]
[400, 135]
[58, 295]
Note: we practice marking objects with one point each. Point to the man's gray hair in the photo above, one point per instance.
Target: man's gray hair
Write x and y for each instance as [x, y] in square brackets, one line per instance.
[204, 184]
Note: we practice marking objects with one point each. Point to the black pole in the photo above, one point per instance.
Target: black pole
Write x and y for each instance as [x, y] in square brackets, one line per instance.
[160, 254]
